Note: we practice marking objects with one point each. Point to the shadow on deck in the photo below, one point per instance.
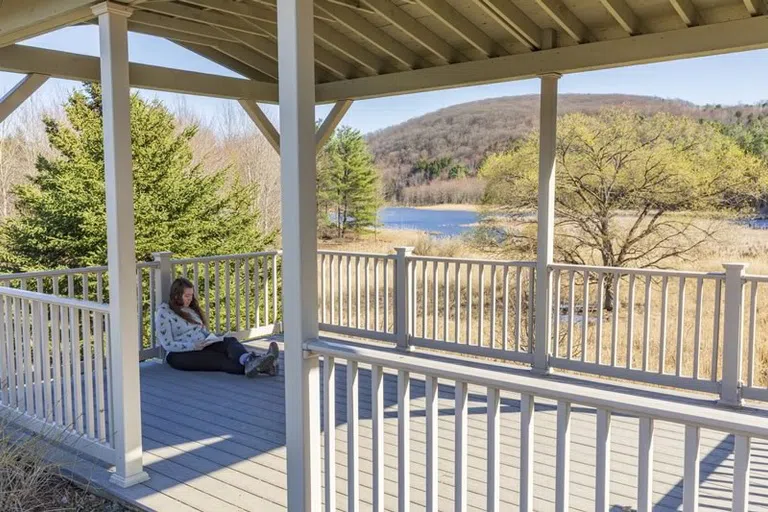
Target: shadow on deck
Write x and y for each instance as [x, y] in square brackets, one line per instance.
[216, 442]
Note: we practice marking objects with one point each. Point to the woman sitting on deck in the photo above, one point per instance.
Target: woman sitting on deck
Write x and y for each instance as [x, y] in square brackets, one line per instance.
[183, 332]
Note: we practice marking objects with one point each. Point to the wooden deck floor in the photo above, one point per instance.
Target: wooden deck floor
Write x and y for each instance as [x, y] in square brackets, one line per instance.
[215, 442]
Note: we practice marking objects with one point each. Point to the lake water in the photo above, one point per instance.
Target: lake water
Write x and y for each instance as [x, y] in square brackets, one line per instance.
[446, 223]
[438, 223]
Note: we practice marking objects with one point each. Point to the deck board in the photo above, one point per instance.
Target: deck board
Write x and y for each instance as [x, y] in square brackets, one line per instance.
[216, 442]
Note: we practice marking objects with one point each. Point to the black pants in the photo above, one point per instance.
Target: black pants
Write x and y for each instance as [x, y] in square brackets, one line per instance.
[223, 356]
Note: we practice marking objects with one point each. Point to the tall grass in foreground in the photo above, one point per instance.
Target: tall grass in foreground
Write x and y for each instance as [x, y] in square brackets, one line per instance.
[30, 482]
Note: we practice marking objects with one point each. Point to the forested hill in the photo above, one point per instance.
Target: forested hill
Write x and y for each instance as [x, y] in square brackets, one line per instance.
[468, 132]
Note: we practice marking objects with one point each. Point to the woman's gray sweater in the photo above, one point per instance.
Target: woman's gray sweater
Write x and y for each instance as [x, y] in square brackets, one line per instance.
[175, 333]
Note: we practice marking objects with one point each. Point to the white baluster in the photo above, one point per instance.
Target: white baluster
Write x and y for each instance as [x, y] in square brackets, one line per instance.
[691, 469]
[403, 441]
[563, 457]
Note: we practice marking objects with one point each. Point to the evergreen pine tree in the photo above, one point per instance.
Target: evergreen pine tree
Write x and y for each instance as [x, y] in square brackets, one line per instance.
[348, 185]
[179, 206]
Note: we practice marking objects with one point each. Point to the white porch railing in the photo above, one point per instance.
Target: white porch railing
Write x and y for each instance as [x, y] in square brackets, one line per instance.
[54, 368]
[480, 307]
[655, 326]
[530, 389]
[756, 366]
[688, 330]
[357, 294]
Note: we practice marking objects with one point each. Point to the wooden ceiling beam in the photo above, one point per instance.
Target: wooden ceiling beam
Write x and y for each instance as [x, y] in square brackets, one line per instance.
[623, 15]
[370, 63]
[515, 21]
[703, 40]
[457, 22]
[209, 17]
[249, 57]
[71, 66]
[404, 58]
[565, 18]
[755, 7]
[418, 32]
[226, 61]
[23, 19]
[687, 12]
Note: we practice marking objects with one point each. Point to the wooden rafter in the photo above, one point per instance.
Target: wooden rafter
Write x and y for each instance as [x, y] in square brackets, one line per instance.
[623, 15]
[264, 19]
[565, 18]
[226, 61]
[712, 39]
[209, 17]
[687, 11]
[22, 19]
[255, 60]
[404, 58]
[515, 21]
[755, 7]
[418, 32]
[457, 22]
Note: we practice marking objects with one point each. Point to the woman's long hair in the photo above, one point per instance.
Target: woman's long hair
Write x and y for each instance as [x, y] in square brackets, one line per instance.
[177, 301]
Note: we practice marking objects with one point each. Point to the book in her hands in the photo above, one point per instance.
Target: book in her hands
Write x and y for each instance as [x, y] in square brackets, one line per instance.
[211, 339]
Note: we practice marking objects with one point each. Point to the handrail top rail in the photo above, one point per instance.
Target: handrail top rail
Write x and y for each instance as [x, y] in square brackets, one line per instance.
[383, 256]
[636, 271]
[616, 401]
[54, 299]
[52, 273]
[476, 261]
[758, 278]
[207, 259]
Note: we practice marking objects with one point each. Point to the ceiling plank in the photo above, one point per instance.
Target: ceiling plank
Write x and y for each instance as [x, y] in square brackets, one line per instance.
[755, 7]
[421, 34]
[565, 18]
[713, 39]
[457, 22]
[189, 27]
[226, 61]
[515, 21]
[22, 19]
[11, 33]
[371, 64]
[209, 17]
[236, 51]
[265, 19]
[623, 15]
[71, 66]
[250, 58]
[687, 11]
[403, 56]
[249, 10]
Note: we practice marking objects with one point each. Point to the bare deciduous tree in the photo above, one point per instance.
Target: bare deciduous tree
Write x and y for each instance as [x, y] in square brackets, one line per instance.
[628, 187]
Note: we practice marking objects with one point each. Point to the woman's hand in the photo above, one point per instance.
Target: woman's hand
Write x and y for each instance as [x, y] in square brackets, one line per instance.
[200, 345]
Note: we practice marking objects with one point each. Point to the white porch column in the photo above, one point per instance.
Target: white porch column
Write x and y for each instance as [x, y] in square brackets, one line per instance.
[297, 162]
[118, 179]
[545, 237]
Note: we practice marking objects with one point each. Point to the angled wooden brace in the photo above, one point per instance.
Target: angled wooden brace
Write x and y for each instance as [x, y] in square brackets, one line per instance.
[322, 135]
[19, 94]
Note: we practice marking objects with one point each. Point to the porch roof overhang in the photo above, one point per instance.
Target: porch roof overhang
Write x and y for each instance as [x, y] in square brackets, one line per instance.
[374, 48]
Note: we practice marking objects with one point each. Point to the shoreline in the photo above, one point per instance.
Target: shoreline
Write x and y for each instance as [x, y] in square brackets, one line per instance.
[443, 207]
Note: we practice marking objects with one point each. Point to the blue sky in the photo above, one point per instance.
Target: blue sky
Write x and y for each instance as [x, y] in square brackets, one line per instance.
[727, 79]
